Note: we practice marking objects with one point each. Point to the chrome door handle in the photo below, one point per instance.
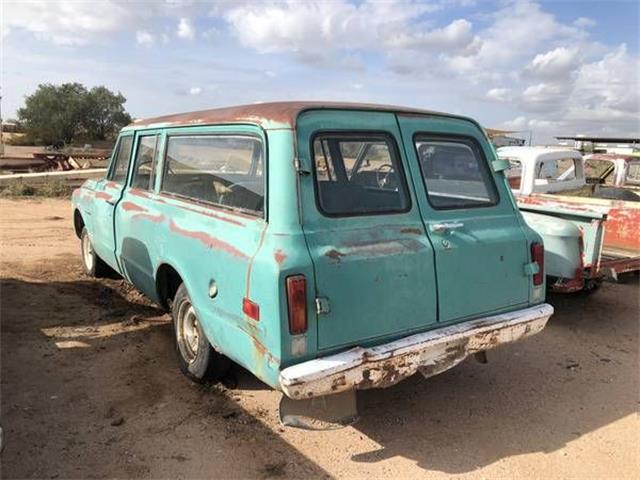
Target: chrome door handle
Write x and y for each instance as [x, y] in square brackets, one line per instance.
[445, 226]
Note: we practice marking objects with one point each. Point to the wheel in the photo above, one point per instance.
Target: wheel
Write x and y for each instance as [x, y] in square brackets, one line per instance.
[93, 265]
[197, 358]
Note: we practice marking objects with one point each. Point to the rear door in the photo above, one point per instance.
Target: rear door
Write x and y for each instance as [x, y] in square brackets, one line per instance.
[470, 217]
[373, 263]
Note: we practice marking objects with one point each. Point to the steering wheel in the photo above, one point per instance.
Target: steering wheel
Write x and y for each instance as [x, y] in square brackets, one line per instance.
[231, 188]
[382, 174]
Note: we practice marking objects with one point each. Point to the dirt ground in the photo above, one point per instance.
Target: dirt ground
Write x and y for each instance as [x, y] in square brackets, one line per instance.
[90, 388]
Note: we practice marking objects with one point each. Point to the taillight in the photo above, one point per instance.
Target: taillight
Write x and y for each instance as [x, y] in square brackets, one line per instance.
[251, 309]
[537, 256]
[297, 303]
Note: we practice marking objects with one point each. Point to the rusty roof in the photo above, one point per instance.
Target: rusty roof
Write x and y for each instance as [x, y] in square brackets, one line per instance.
[267, 115]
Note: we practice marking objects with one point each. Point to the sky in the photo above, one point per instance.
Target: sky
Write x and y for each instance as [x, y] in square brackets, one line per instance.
[558, 67]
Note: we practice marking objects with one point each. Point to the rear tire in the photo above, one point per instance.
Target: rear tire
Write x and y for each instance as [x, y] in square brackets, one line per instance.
[92, 264]
[198, 360]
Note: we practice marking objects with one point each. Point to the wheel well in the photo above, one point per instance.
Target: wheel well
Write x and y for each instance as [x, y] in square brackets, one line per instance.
[167, 282]
[78, 222]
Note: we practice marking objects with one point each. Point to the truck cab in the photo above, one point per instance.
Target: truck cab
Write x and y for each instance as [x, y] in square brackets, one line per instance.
[590, 228]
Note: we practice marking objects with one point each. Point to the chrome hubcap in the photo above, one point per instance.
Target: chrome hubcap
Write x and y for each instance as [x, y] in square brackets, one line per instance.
[87, 252]
[188, 333]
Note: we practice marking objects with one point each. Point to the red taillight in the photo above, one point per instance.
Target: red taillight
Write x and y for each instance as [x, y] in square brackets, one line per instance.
[251, 309]
[297, 302]
[537, 256]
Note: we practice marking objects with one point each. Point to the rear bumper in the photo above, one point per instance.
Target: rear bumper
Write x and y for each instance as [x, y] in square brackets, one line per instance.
[430, 352]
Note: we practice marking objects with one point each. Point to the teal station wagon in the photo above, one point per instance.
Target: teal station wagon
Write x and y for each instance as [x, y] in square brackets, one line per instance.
[324, 247]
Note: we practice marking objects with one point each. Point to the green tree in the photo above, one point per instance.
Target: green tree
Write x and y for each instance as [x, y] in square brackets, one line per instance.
[64, 113]
[54, 113]
[105, 114]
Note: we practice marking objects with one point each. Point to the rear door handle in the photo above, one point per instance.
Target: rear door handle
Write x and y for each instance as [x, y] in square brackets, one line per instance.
[445, 226]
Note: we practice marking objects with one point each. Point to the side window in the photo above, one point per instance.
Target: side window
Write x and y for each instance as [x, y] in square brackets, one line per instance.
[358, 175]
[145, 162]
[120, 165]
[514, 173]
[455, 174]
[220, 169]
[633, 174]
[553, 171]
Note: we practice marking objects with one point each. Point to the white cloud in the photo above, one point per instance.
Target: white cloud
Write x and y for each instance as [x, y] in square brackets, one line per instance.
[457, 35]
[144, 38]
[545, 73]
[518, 30]
[584, 22]
[608, 89]
[600, 97]
[499, 94]
[518, 123]
[546, 97]
[314, 29]
[66, 22]
[185, 29]
[556, 63]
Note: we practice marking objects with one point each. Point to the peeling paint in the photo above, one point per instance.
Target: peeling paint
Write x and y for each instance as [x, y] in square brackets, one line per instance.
[136, 192]
[376, 249]
[208, 240]
[279, 256]
[150, 217]
[103, 196]
[267, 115]
[334, 254]
[181, 203]
[430, 353]
[132, 207]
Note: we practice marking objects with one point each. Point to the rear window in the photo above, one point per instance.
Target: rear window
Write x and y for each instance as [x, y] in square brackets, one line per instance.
[455, 173]
[222, 170]
[358, 175]
[554, 171]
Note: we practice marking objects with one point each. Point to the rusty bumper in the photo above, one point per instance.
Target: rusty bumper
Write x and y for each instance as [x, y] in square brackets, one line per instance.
[430, 353]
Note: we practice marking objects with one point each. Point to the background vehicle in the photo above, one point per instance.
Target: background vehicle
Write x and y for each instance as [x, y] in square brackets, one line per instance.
[614, 175]
[551, 182]
[324, 247]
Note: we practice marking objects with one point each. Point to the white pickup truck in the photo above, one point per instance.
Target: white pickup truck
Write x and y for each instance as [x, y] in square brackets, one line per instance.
[590, 229]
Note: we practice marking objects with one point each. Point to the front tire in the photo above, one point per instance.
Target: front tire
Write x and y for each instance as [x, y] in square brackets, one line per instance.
[197, 358]
[92, 264]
